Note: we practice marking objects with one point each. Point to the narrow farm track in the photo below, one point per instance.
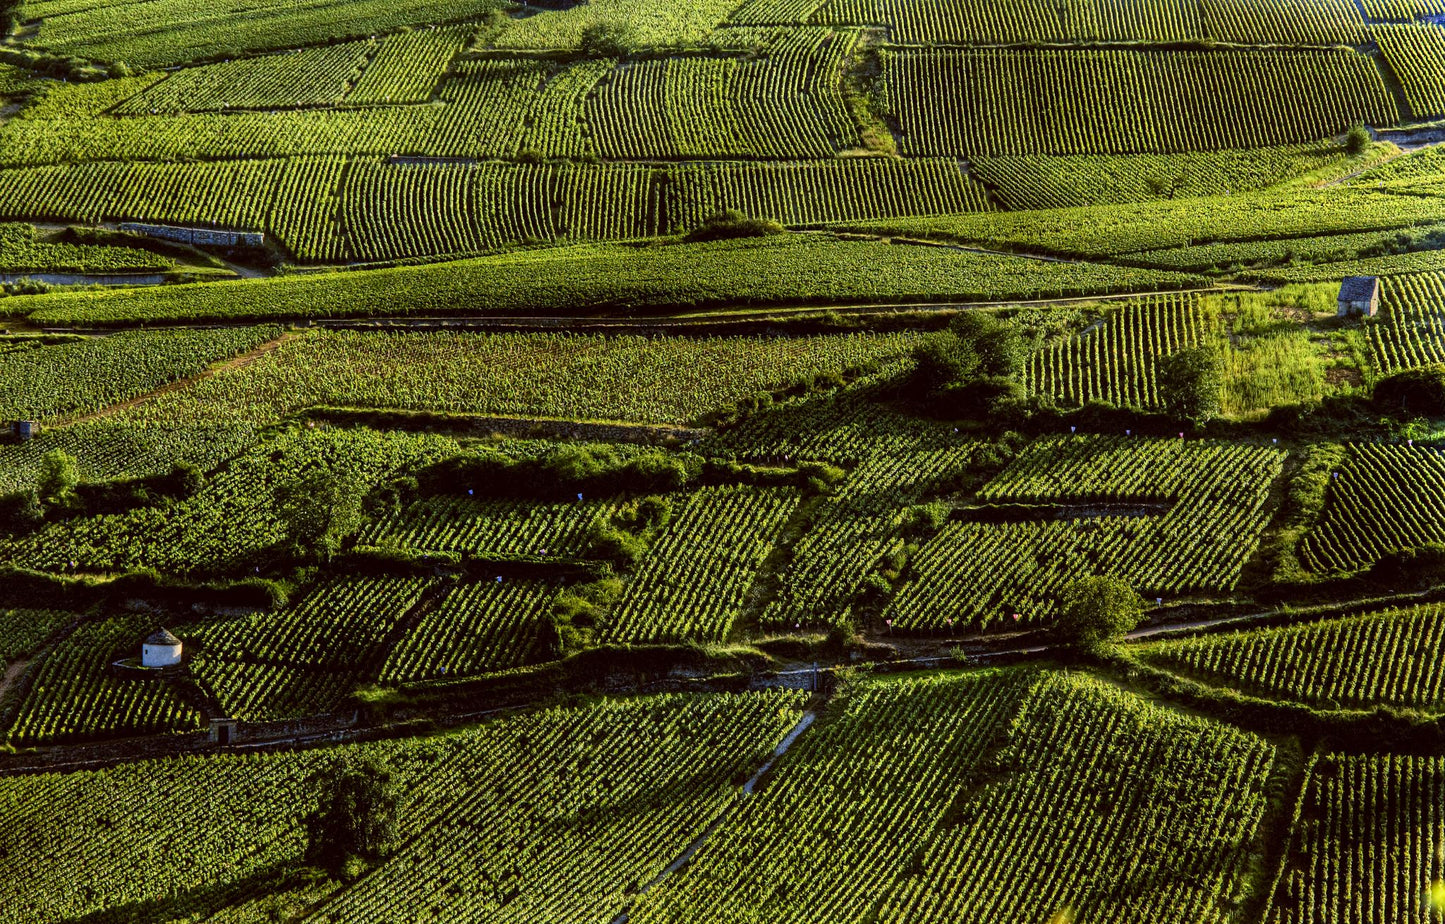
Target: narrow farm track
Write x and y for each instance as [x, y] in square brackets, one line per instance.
[12, 676]
[701, 840]
[234, 362]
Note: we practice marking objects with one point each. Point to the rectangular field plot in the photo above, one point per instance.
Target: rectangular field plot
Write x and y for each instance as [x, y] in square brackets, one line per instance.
[1410, 329]
[1385, 658]
[1417, 56]
[982, 573]
[475, 629]
[1117, 102]
[693, 583]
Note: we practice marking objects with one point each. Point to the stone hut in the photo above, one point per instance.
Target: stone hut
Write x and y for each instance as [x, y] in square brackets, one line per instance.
[161, 650]
[1360, 295]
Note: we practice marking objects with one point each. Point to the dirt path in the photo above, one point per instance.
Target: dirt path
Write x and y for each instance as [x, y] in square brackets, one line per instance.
[12, 676]
[235, 362]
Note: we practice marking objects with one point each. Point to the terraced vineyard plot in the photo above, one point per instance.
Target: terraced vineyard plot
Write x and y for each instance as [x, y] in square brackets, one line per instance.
[1051, 182]
[407, 66]
[476, 629]
[233, 525]
[857, 527]
[1115, 230]
[164, 32]
[1074, 820]
[805, 194]
[305, 658]
[23, 630]
[103, 450]
[310, 77]
[1004, 102]
[648, 25]
[45, 382]
[1410, 329]
[1385, 498]
[1266, 255]
[1116, 361]
[815, 269]
[1383, 658]
[811, 844]
[1416, 54]
[1369, 844]
[1402, 9]
[393, 211]
[785, 105]
[20, 251]
[692, 584]
[491, 527]
[987, 841]
[202, 833]
[617, 792]
[979, 573]
[548, 375]
[72, 696]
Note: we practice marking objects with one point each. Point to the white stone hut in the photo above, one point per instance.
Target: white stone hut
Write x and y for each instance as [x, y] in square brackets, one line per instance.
[161, 650]
[1360, 295]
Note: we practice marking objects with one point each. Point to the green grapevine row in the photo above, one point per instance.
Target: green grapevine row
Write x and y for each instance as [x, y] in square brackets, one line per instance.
[1116, 361]
[984, 573]
[1006, 102]
[23, 630]
[1360, 661]
[20, 252]
[1382, 500]
[492, 527]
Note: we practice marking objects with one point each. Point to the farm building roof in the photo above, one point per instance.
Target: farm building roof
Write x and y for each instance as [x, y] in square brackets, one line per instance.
[163, 637]
[1359, 288]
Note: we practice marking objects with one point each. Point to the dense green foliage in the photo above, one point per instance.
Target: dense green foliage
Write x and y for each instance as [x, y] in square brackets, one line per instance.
[1350, 662]
[1098, 609]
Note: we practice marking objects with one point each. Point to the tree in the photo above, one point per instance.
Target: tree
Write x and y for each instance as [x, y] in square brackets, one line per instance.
[972, 368]
[354, 822]
[1094, 610]
[320, 507]
[59, 476]
[606, 40]
[1357, 139]
[1190, 383]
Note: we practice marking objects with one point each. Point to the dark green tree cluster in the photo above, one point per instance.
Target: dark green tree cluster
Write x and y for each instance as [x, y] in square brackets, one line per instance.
[319, 508]
[973, 368]
[734, 224]
[1096, 610]
[354, 822]
[1191, 384]
[1412, 393]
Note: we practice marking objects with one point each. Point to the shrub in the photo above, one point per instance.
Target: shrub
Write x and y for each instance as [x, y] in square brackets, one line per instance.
[1357, 140]
[354, 822]
[1412, 393]
[1190, 383]
[1095, 610]
[733, 224]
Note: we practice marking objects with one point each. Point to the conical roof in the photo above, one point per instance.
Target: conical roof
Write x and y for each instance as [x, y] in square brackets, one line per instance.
[163, 637]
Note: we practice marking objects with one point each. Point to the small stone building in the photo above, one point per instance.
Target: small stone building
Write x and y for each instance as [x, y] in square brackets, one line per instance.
[1360, 295]
[160, 650]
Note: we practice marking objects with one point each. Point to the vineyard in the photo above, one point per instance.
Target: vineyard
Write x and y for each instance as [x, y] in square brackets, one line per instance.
[753, 461]
[1380, 501]
[1368, 846]
[670, 380]
[1115, 361]
[1120, 102]
[982, 573]
[1351, 662]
